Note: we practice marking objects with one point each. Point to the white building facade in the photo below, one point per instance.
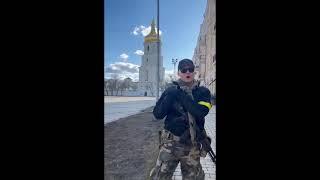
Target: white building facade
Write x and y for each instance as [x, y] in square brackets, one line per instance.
[204, 56]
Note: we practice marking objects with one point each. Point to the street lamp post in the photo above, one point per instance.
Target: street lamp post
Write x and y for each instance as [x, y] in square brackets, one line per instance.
[174, 62]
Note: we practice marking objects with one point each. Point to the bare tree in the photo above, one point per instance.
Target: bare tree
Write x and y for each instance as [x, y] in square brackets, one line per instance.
[110, 86]
[117, 86]
[122, 86]
[127, 83]
[115, 83]
[106, 86]
[134, 86]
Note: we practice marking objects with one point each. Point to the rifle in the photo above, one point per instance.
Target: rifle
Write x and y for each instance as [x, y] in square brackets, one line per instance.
[202, 138]
[206, 144]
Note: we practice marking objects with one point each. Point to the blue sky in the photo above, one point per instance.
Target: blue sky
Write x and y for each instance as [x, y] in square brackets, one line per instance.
[180, 22]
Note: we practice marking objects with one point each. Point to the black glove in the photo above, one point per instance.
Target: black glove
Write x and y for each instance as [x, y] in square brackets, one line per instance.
[206, 144]
[195, 109]
[202, 136]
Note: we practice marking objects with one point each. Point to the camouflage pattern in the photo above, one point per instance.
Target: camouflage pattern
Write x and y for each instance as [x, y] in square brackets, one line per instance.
[171, 153]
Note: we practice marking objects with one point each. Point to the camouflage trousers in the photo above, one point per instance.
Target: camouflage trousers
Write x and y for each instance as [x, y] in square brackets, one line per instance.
[171, 153]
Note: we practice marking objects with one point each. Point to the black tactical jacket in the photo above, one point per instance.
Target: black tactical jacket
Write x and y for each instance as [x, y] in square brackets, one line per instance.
[175, 106]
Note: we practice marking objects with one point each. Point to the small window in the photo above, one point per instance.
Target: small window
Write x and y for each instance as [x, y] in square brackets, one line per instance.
[214, 58]
[147, 59]
[148, 48]
[147, 75]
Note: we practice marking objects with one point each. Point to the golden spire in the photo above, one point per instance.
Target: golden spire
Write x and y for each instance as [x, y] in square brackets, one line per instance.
[152, 36]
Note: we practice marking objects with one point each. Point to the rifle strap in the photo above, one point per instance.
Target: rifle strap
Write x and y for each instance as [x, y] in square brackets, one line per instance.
[191, 119]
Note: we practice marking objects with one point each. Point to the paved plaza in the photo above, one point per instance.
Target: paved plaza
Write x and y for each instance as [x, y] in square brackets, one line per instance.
[120, 107]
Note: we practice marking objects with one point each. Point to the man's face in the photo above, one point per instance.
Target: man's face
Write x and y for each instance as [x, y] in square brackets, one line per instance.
[186, 74]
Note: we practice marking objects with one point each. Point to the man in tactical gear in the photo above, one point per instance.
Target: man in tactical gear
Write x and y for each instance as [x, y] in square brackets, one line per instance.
[185, 105]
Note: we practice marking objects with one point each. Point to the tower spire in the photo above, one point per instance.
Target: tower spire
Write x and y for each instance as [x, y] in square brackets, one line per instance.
[153, 27]
[152, 36]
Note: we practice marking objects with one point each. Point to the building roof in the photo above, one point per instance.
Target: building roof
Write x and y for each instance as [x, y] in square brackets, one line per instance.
[152, 36]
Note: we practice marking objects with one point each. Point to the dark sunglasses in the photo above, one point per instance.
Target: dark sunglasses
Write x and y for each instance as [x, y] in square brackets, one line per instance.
[184, 70]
